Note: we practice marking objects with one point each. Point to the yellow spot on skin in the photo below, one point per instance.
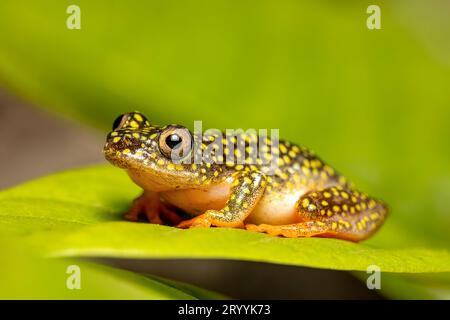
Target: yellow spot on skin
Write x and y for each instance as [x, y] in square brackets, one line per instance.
[306, 171]
[113, 134]
[116, 139]
[138, 117]
[283, 148]
[203, 170]
[203, 178]
[363, 206]
[327, 194]
[324, 203]
[245, 205]
[268, 156]
[136, 135]
[316, 163]
[352, 210]
[126, 151]
[354, 200]
[329, 170]
[306, 163]
[336, 209]
[153, 136]
[305, 203]
[329, 213]
[246, 191]
[333, 226]
[134, 124]
[295, 149]
[160, 162]
[194, 166]
[153, 155]
[372, 204]
[284, 176]
[239, 167]
[345, 207]
[247, 180]
[344, 195]
[358, 207]
[233, 196]
[216, 173]
[170, 166]
[312, 207]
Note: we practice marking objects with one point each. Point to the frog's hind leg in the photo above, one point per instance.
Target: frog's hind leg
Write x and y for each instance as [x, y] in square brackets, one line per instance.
[150, 204]
[333, 213]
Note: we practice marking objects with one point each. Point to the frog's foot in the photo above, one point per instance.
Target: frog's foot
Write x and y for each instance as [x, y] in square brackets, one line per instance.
[203, 220]
[169, 214]
[296, 230]
[147, 204]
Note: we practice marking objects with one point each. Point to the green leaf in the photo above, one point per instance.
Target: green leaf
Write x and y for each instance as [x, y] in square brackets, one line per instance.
[25, 275]
[78, 214]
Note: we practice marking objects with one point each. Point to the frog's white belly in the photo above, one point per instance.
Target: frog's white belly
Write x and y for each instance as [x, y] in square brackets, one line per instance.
[273, 208]
[276, 209]
[197, 201]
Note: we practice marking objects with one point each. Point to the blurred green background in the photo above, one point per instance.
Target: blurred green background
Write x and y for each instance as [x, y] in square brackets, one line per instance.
[374, 103]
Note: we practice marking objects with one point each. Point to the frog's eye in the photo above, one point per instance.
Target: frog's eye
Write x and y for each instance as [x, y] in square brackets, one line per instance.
[175, 142]
[120, 121]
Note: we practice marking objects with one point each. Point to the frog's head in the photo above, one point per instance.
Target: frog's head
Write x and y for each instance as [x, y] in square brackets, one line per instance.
[154, 157]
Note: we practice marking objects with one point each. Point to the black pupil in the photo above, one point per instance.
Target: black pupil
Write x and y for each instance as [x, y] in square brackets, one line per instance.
[117, 122]
[173, 140]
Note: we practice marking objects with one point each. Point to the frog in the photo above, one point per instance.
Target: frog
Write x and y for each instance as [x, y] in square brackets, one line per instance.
[186, 187]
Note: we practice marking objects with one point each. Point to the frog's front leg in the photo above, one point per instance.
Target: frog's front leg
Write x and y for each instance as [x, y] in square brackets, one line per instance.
[334, 213]
[247, 189]
[149, 203]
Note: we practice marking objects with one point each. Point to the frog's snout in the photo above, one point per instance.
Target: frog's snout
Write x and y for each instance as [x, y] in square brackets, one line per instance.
[119, 146]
